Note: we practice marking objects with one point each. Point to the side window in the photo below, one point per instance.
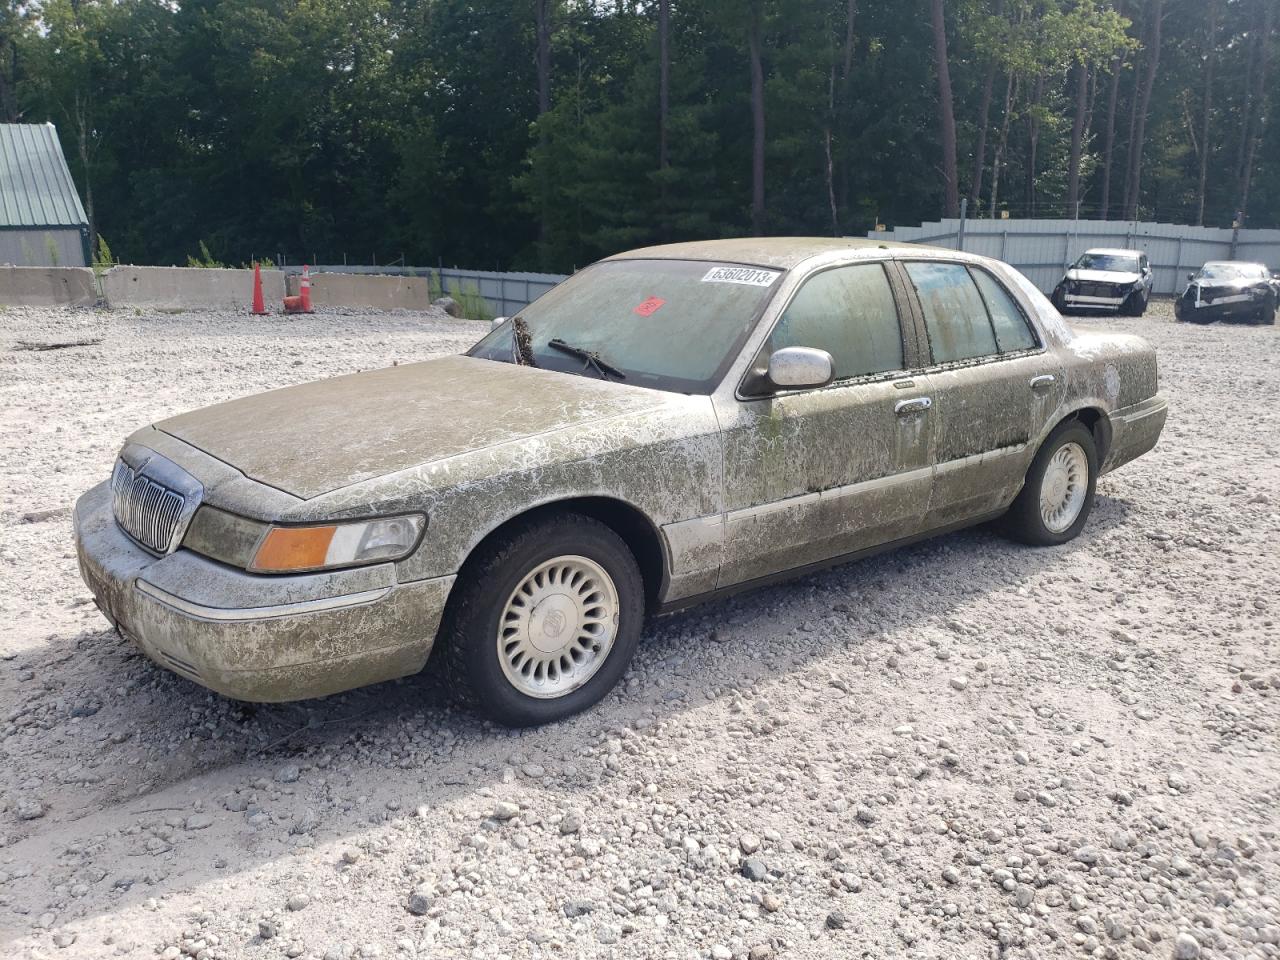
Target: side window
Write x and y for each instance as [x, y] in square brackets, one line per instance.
[1012, 332]
[850, 313]
[954, 313]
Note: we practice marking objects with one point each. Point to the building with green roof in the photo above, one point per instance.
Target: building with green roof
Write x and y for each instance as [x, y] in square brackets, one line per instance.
[42, 222]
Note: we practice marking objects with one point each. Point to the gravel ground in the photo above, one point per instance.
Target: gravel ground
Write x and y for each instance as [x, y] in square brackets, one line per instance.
[966, 748]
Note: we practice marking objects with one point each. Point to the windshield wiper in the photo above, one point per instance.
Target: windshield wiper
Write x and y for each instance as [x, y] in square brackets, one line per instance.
[592, 359]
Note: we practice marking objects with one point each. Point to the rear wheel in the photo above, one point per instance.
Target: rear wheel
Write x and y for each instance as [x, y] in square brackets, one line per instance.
[546, 620]
[1057, 496]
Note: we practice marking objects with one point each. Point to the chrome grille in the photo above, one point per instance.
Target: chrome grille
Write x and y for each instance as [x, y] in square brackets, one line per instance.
[148, 511]
[1091, 289]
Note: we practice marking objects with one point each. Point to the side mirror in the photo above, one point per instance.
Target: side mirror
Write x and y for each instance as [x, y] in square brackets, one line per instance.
[1191, 276]
[497, 322]
[798, 368]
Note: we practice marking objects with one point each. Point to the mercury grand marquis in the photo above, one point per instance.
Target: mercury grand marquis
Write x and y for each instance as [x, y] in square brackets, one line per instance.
[668, 425]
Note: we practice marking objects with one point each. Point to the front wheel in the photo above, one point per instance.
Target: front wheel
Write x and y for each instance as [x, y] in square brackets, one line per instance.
[1135, 305]
[546, 620]
[1057, 496]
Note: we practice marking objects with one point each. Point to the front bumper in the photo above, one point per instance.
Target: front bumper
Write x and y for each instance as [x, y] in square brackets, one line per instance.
[1223, 308]
[1076, 301]
[250, 637]
[1135, 429]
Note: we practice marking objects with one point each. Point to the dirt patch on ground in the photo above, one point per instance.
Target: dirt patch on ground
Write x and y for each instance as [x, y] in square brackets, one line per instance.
[964, 748]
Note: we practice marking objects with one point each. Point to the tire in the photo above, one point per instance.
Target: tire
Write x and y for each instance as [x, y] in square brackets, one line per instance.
[1135, 305]
[1026, 521]
[559, 546]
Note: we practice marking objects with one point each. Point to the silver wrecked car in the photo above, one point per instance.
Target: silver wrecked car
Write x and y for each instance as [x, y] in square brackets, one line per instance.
[668, 425]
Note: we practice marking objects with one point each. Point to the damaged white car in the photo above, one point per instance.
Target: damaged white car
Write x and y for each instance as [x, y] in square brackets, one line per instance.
[1106, 281]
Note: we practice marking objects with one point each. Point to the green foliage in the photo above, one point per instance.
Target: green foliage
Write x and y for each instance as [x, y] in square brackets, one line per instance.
[474, 306]
[368, 128]
[103, 260]
[205, 259]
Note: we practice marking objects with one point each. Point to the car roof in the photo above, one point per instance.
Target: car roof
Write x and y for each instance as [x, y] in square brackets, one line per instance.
[1234, 263]
[777, 252]
[1114, 251]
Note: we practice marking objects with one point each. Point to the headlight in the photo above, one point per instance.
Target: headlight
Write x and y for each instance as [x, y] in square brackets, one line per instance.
[294, 549]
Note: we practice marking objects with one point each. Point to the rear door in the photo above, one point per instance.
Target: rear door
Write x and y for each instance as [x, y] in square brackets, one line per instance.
[993, 384]
[815, 474]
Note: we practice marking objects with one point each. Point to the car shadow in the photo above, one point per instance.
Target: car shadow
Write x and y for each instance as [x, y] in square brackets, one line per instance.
[135, 745]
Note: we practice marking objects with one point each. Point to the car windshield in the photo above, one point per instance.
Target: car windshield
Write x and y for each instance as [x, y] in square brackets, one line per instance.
[1114, 262]
[667, 324]
[1231, 271]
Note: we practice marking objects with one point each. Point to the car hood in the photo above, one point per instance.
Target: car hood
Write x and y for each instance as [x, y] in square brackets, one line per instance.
[1237, 283]
[1103, 276]
[313, 438]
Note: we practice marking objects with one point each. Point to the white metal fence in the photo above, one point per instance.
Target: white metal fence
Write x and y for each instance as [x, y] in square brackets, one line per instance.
[1042, 249]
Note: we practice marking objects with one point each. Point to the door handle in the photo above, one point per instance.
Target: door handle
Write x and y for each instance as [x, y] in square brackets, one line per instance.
[904, 408]
[1043, 382]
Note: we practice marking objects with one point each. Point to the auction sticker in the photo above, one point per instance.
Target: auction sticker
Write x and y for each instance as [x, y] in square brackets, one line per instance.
[647, 308]
[748, 275]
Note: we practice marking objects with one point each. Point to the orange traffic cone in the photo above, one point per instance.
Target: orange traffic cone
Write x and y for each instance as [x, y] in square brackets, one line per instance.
[304, 289]
[259, 305]
[302, 302]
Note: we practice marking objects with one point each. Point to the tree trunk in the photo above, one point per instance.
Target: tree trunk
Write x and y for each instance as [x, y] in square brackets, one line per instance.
[1246, 112]
[830, 171]
[1134, 183]
[664, 81]
[85, 152]
[980, 148]
[542, 26]
[1077, 139]
[946, 112]
[1211, 57]
[1033, 144]
[1259, 94]
[1109, 138]
[1010, 94]
[754, 29]
[851, 10]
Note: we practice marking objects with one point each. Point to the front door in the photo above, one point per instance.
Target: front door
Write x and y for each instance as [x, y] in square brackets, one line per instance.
[993, 385]
[812, 475]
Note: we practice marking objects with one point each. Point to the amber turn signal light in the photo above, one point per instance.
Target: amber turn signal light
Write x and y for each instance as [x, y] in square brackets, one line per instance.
[298, 549]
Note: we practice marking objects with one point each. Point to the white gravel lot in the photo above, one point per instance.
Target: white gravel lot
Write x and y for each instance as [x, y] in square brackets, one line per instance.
[967, 748]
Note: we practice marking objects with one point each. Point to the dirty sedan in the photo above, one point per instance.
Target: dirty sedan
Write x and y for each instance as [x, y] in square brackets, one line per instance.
[1229, 290]
[668, 425]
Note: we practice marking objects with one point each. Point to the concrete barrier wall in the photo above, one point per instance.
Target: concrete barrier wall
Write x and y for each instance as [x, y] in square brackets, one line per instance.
[355, 290]
[47, 287]
[189, 288]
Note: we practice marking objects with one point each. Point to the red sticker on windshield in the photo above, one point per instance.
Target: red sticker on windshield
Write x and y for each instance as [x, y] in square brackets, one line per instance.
[649, 307]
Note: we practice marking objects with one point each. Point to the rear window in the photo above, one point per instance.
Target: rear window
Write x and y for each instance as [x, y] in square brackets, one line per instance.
[954, 314]
[968, 314]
